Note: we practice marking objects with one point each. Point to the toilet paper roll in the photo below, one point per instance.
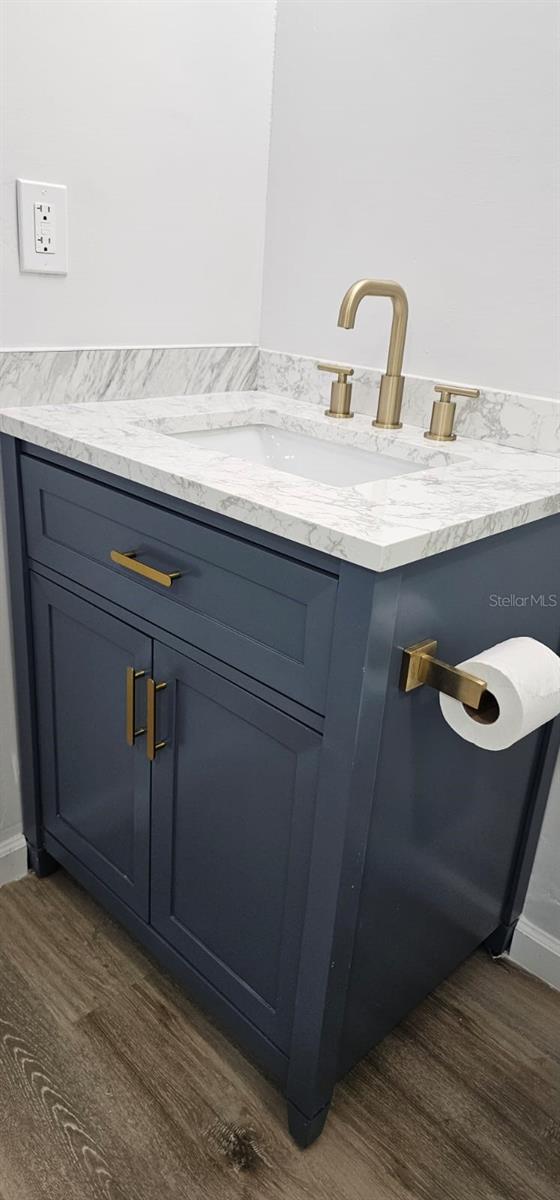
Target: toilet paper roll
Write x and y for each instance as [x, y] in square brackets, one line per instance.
[523, 681]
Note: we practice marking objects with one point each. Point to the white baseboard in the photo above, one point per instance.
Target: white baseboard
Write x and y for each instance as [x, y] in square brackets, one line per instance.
[536, 951]
[13, 859]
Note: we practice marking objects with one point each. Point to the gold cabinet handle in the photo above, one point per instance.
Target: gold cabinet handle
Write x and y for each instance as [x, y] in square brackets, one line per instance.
[152, 746]
[131, 731]
[128, 559]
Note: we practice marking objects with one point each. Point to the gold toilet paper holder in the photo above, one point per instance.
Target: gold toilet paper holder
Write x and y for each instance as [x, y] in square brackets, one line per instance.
[419, 666]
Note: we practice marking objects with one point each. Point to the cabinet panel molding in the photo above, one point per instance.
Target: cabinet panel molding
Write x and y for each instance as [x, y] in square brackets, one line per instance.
[233, 809]
[95, 788]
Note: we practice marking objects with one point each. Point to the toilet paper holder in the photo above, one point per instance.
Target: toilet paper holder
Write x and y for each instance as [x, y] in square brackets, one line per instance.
[419, 666]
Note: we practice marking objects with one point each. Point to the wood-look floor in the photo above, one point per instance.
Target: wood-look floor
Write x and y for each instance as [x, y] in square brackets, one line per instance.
[113, 1086]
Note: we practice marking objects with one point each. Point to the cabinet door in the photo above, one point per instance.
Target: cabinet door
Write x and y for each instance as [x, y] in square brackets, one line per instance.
[95, 788]
[233, 796]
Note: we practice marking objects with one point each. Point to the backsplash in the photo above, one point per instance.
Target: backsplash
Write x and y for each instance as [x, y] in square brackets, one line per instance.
[68, 376]
[524, 422]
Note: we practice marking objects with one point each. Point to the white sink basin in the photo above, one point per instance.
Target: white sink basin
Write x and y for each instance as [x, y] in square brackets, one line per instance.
[313, 458]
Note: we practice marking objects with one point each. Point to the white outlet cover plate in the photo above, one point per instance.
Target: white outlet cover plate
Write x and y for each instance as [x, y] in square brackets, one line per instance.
[29, 193]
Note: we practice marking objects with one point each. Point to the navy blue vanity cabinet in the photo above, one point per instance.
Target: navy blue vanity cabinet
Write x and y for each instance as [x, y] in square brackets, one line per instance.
[95, 789]
[308, 849]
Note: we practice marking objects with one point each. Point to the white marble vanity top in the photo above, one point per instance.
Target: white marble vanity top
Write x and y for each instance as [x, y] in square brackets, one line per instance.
[462, 491]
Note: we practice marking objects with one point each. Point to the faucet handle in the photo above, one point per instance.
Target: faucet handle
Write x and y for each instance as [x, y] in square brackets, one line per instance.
[447, 391]
[443, 412]
[342, 372]
[341, 390]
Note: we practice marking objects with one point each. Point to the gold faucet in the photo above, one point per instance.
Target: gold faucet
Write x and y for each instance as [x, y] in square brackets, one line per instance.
[341, 390]
[443, 412]
[392, 382]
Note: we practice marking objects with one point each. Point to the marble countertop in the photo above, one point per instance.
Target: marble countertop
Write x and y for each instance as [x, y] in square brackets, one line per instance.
[461, 492]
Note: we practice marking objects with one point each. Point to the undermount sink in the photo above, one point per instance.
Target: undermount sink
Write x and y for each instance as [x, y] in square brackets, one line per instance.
[326, 462]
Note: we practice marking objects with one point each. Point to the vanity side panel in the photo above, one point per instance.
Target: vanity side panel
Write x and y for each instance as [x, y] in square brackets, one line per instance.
[362, 651]
[20, 616]
[453, 827]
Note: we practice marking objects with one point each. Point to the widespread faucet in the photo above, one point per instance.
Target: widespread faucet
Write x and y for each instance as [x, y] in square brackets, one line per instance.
[392, 382]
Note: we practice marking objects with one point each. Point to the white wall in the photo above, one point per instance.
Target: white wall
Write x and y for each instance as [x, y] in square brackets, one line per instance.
[156, 115]
[415, 141]
[536, 944]
[542, 906]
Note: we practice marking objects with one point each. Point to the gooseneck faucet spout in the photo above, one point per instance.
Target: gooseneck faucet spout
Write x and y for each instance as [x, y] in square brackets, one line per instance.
[392, 382]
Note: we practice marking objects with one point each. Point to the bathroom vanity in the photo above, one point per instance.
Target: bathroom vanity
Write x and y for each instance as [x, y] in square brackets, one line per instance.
[212, 736]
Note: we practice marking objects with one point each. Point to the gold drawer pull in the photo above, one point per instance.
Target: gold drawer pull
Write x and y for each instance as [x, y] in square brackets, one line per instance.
[152, 747]
[131, 563]
[131, 732]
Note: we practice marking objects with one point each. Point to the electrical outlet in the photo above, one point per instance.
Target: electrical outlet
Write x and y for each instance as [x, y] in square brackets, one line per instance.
[42, 227]
[45, 217]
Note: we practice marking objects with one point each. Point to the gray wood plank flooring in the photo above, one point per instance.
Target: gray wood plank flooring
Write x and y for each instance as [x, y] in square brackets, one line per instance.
[114, 1086]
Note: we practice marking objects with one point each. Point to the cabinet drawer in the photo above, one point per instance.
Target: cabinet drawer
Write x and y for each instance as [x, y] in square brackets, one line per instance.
[268, 615]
